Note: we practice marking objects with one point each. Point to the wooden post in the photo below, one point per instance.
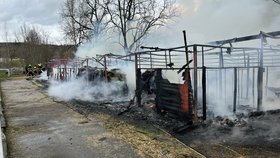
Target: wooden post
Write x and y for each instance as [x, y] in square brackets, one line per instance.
[195, 81]
[235, 90]
[216, 83]
[186, 47]
[204, 92]
[202, 56]
[105, 69]
[248, 75]
[225, 85]
[253, 87]
[266, 81]
[221, 64]
[165, 57]
[260, 76]
[238, 86]
[241, 84]
[138, 91]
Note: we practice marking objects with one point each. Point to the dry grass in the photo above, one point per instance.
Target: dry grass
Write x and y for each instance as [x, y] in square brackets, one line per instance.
[147, 142]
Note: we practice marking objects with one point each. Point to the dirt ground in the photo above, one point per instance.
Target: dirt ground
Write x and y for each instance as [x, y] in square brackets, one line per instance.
[41, 127]
[252, 135]
[152, 135]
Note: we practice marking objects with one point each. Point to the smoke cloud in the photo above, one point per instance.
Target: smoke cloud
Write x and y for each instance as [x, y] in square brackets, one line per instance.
[80, 89]
[211, 20]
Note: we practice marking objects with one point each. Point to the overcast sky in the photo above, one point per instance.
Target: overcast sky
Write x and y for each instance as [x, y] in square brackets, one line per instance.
[41, 13]
[203, 19]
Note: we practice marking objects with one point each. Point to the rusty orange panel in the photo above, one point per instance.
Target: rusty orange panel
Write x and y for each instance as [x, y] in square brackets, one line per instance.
[184, 95]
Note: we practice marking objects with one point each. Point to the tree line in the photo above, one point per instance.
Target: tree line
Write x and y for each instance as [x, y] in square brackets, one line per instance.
[31, 46]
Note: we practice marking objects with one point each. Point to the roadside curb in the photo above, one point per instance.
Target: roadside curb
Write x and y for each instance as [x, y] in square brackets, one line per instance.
[3, 143]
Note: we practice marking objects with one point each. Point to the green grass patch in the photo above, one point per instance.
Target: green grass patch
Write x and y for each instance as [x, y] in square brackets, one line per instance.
[3, 75]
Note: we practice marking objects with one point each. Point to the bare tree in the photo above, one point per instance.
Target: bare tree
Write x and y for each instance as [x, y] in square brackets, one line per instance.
[31, 35]
[34, 47]
[84, 19]
[135, 19]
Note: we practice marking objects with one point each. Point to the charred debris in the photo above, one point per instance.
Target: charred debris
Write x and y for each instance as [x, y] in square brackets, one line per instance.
[236, 78]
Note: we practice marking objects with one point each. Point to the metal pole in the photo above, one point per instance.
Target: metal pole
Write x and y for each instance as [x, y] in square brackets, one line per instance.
[238, 86]
[202, 56]
[195, 81]
[105, 69]
[253, 87]
[165, 57]
[186, 47]
[221, 64]
[241, 83]
[138, 82]
[235, 90]
[266, 81]
[204, 92]
[260, 76]
[248, 72]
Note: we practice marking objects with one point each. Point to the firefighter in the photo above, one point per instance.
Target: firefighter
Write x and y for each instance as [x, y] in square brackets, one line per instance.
[39, 70]
[29, 70]
[35, 70]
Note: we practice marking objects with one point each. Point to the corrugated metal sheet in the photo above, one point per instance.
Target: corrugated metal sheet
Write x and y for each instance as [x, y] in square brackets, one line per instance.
[168, 98]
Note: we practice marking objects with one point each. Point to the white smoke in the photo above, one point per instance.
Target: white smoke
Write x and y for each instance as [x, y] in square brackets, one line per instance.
[80, 89]
[211, 20]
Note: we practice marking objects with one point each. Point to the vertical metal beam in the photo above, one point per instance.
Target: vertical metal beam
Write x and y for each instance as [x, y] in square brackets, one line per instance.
[260, 76]
[165, 57]
[238, 86]
[105, 69]
[138, 91]
[221, 64]
[202, 56]
[253, 87]
[248, 75]
[186, 47]
[169, 54]
[266, 81]
[204, 92]
[235, 90]
[216, 83]
[225, 85]
[241, 84]
[195, 81]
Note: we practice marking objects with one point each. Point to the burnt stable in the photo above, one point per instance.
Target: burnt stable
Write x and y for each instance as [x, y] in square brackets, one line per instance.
[218, 70]
[234, 76]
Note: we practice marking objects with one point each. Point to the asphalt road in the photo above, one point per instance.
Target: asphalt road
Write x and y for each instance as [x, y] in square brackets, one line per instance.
[40, 127]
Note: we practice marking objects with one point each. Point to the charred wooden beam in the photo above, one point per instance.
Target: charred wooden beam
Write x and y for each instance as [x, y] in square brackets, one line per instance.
[195, 82]
[235, 90]
[138, 91]
[260, 76]
[204, 92]
[186, 46]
